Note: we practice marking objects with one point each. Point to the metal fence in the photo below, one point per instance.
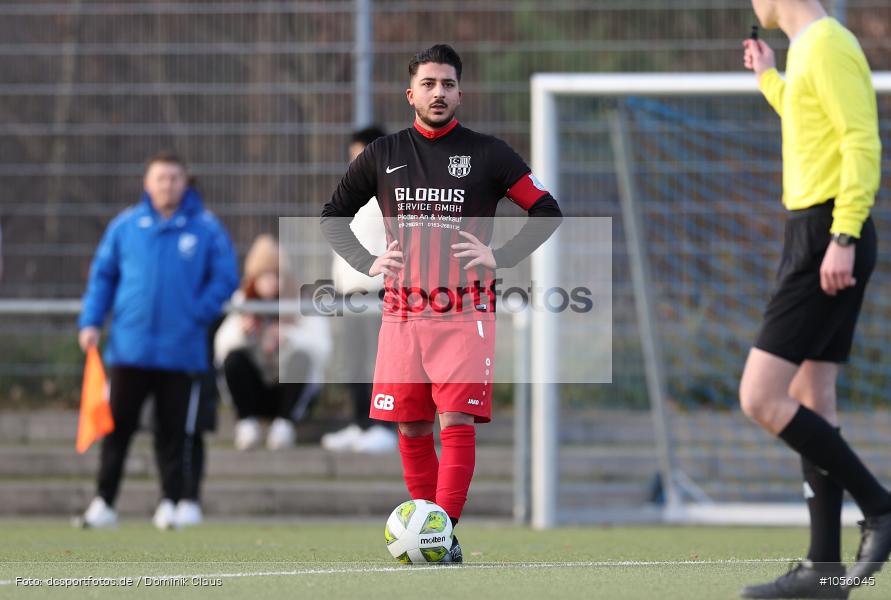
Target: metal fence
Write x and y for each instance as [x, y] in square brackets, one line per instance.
[260, 97]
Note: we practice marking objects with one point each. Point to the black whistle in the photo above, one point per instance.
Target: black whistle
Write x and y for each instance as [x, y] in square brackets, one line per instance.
[754, 34]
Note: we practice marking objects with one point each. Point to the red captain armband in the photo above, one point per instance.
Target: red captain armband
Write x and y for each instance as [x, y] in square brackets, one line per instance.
[526, 191]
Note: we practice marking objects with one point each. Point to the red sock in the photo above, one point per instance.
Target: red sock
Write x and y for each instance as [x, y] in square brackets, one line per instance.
[456, 467]
[420, 467]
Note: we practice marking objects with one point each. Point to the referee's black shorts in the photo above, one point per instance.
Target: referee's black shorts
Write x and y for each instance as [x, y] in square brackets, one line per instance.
[801, 322]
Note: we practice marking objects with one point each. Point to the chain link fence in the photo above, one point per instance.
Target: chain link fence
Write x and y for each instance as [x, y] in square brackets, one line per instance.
[259, 97]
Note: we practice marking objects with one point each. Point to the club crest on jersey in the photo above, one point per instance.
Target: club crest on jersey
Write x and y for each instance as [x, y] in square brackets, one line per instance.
[459, 166]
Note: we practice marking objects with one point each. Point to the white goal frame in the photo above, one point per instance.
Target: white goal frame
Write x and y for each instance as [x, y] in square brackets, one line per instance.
[545, 410]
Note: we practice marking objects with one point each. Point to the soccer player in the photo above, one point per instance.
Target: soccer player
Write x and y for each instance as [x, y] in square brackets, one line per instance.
[437, 184]
[831, 154]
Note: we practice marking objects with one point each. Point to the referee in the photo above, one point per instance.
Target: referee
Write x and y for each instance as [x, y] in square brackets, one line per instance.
[831, 171]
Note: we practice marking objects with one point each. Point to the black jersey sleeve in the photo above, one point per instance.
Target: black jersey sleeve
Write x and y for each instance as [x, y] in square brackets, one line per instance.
[507, 166]
[544, 219]
[521, 186]
[355, 189]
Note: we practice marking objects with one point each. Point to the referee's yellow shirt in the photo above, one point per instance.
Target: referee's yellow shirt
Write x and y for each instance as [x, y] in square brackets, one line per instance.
[831, 146]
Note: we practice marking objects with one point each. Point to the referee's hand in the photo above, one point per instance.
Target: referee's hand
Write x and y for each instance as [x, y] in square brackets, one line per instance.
[837, 270]
[758, 56]
[480, 253]
[389, 263]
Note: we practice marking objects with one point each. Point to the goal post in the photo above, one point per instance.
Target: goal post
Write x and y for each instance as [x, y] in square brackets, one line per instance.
[681, 497]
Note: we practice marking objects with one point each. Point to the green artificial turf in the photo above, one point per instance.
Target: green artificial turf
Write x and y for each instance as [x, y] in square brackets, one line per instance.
[349, 560]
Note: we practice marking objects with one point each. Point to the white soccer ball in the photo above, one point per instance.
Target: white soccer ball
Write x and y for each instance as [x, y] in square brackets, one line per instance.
[419, 531]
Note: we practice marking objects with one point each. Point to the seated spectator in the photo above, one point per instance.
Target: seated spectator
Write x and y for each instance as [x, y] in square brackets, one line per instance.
[357, 333]
[249, 348]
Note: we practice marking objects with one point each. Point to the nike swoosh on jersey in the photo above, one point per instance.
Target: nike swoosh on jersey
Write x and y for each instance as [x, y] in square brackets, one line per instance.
[389, 170]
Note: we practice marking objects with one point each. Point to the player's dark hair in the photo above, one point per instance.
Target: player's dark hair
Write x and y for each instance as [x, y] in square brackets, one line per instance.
[165, 156]
[442, 54]
[367, 135]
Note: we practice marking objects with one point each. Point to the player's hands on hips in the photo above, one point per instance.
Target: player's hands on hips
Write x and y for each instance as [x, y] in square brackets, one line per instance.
[837, 270]
[480, 253]
[88, 338]
[758, 56]
[388, 263]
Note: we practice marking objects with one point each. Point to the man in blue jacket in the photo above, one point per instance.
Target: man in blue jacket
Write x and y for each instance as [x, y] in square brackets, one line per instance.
[163, 269]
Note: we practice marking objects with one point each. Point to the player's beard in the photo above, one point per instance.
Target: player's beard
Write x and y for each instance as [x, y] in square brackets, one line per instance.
[436, 122]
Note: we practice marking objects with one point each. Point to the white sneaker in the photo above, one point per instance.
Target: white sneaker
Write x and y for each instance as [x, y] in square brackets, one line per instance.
[342, 440]
[98, 515]
[281, 434]
[188, 513]
[377, 440]
[165, 515]
[247, 434]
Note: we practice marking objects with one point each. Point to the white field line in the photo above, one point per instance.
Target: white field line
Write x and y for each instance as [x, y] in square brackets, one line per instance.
[466, 566]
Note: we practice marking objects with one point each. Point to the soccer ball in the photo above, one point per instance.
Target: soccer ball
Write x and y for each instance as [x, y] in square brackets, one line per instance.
[419, 532]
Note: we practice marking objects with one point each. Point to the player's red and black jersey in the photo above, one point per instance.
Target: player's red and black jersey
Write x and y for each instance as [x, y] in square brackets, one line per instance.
[430, 186]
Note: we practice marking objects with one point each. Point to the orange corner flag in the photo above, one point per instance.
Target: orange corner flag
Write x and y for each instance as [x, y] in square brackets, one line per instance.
[95, 411]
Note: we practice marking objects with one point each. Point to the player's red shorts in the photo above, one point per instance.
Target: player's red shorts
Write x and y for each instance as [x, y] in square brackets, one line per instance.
[429, 366]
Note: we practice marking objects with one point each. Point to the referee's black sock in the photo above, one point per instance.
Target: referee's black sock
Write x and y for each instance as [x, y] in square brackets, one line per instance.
[824, 503]
[815, 439]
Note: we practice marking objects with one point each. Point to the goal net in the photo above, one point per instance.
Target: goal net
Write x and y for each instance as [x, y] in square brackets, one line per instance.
[689, 168]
